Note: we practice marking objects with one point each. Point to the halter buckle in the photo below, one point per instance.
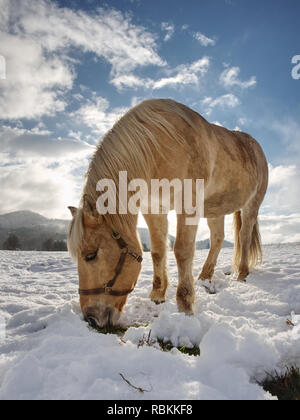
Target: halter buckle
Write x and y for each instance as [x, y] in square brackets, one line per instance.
[107, 290]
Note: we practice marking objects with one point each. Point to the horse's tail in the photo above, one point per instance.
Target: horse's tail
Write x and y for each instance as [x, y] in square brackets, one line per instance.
[255, 251]
[237, 224]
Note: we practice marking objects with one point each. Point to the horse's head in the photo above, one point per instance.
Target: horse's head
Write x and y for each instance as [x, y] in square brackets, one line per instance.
[108, 268]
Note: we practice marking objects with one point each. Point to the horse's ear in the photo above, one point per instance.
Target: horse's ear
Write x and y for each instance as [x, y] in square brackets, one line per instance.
[88, 206]
[91, 220]
[73, 211]
[90, 215]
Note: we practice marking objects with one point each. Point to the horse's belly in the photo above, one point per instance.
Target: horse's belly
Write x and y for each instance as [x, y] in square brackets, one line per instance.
[222, 203]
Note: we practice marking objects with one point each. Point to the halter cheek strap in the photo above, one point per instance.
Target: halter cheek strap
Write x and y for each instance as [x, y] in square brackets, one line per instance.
[107, 289]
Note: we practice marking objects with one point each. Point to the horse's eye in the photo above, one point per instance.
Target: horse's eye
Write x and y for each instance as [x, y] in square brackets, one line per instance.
[91, 257]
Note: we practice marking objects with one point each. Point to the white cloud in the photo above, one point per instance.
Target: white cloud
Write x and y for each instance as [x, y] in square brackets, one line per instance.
[130, 81]
[182, 75]
[169, 28]
[284, 189]
[225, 101]
[107, 33]
[96, 115]
[243, 121]
[204, 40]
[20, 143]
[280, 228]
[229, 78]
[40, 173]
[280, 175]
[35, 84]
[186, 74]
[289, 133]
[38, 39]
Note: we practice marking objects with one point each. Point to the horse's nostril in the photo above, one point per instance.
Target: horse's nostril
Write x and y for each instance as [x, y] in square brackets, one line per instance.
[109, 316]
[92, 322]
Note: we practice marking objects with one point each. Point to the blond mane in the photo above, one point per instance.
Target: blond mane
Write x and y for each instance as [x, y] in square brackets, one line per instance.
[75, 234]
[129, 146]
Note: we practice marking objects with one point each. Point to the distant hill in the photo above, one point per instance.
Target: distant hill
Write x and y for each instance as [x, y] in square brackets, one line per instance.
[145, 239]
[206, 244]
[21, 219]
[33, 230]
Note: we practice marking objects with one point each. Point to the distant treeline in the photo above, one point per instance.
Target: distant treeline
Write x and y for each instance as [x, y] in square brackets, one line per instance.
[13, 243]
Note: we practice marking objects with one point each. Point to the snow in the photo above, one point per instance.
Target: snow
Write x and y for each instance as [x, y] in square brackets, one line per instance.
[48, 352]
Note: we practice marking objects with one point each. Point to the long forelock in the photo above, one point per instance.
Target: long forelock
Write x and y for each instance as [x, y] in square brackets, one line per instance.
[75, 234]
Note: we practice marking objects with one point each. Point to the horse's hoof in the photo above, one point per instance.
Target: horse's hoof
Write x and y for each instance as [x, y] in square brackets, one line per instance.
[210, 290]
[243, 277]
[204, 279]
[158, 302]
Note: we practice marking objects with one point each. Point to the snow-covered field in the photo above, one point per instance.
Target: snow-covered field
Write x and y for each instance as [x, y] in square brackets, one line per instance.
[48, 352]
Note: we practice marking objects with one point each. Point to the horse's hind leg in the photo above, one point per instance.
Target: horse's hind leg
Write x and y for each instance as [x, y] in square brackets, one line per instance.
[158, 228]
[216, 227]
[184, 251]
[246, 239]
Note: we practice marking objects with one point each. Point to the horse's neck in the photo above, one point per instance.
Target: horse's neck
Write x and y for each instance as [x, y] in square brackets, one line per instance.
[130, 234]
[125, 224]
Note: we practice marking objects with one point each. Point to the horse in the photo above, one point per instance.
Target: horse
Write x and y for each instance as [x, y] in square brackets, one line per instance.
[164, 139]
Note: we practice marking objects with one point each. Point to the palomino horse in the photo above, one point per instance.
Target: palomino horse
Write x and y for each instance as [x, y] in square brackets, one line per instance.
[162, 139]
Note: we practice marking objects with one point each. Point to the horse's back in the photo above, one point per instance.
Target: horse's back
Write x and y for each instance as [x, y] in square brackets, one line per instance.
[173, 141]
[232, 163]
[240, 171]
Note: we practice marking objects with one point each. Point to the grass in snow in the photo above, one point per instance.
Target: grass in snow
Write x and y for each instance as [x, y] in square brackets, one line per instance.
[286, 386]
[147, 341]
[168, 346]
[120, 331]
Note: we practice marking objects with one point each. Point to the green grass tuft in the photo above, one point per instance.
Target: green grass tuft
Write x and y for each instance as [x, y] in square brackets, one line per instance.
[165, 346]
[285, 386]
[168, 346]
[194, 351]
[118, 330]
[109, 330]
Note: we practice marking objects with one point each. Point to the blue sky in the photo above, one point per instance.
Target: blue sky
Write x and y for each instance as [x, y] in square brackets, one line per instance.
[73, 67]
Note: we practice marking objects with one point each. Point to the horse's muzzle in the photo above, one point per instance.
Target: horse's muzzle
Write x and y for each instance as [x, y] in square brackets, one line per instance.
[107, 317]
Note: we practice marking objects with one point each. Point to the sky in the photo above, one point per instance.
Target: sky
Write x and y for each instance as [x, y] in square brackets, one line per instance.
[72, 68]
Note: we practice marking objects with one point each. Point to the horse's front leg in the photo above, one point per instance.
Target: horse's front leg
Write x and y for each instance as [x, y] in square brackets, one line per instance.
[184, 252]
[158, 228]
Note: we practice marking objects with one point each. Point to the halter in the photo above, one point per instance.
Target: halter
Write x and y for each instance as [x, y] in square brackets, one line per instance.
[107, 288]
